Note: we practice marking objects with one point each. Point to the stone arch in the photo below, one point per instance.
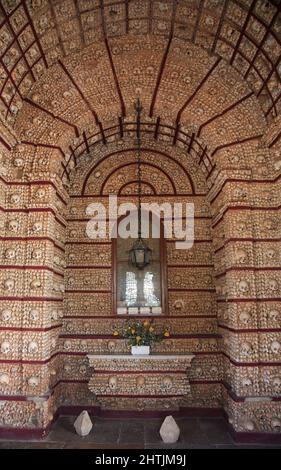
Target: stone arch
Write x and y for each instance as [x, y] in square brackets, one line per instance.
[227, 134]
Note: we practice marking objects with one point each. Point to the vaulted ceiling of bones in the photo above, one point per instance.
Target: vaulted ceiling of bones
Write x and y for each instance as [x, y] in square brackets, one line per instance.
[207, 72]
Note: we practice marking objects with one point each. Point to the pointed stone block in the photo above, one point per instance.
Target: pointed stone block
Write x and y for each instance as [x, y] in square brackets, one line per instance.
[169, 431]
[83, 424]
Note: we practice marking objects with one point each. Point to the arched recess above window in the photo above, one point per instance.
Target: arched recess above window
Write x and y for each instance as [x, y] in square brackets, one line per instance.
[135, 291]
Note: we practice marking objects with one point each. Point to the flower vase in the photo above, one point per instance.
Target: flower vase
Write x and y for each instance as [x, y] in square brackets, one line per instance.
[140, 350]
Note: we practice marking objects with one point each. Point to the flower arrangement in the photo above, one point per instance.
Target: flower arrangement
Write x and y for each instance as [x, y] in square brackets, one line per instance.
[142, 333]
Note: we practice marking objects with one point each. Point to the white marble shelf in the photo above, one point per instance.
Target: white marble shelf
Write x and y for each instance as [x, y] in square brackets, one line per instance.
[141, 356]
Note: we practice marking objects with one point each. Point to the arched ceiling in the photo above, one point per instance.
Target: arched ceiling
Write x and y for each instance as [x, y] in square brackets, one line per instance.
[35, 34]
[207, 73]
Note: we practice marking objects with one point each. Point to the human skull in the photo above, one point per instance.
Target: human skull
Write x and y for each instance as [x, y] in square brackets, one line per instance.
[9, 284]
[83, 369]
[274, 315]
[243, 286]
[240, 193]
[35, 284]
[249, 425]
[18, 162]
[178, 304]
[37, 227]
[37, 253]
[246, 348]
[241, 256]
[167, 382]
[67, 368]
[273, 285]
[32, 347]
[276, 424]
[6, 314]
[33, 381]
[54, 315]
[111, 345]
[10, 253]
[5, 347]
[270, 253]
[13, 225]
[71, 256]
[67, 345]
[4, 379]
[245, 317]
[40, 193]
[276, 382]
[214, 370]
[34, 314]
[15, 198]
[112, 382]
[275, 347]
[246, 382]
[140, 381]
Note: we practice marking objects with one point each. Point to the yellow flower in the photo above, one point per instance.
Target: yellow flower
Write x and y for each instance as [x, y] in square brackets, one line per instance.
[115, 333]
[133, 331]
[167, 334]
[138, 338]
[151, 329]
[146, 323]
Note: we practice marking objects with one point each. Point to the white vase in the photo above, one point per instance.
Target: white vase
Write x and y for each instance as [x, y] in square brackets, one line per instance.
[143, 350]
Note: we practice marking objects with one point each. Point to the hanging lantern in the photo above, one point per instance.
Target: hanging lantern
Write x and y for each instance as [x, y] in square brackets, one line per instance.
[140, 254]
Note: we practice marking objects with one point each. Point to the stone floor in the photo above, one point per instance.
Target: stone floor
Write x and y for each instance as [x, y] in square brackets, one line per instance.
[196, 433]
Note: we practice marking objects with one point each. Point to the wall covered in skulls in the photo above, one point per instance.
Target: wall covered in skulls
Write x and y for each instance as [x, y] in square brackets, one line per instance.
[70, 75]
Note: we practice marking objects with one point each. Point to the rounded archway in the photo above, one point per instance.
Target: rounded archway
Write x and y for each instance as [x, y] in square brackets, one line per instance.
[210, 133]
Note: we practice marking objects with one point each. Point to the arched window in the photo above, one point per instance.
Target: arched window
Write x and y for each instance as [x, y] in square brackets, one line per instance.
[140, 291]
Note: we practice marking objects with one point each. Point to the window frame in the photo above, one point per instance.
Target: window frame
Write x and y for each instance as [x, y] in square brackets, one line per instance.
[163, 276]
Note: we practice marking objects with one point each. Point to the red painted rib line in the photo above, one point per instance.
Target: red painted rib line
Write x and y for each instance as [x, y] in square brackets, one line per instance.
[85, 292]
[48, 146]
[188, 101]
[253, 299]
[225, 111]
[275, 140]
[141, 372]
[67, 73]
[245, 208]
[132, 149]
[33, 299]
[88, 267]
[144, 163]
[190, 265]
[250, 330]
[5, 144]
[152, 317]
[92, 242]
[237, 142]
[34, 183]
[38, 330]
[240, 180]
[247, 268]
[36, 268]
[44, 110]
[242, 31]
[252, 240]
[160, 74]
[195, 241]
[34, 32]
[145, 183]
[27, 361]
[251, 364]
[165, 56]
[122, 103]
[27, 239]
[97, 337]
[35, 209]
[173, 289]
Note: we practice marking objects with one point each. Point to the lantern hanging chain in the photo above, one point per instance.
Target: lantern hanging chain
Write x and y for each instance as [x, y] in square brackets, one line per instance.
[138, 108]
